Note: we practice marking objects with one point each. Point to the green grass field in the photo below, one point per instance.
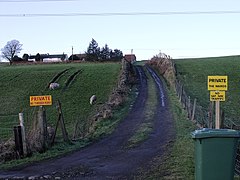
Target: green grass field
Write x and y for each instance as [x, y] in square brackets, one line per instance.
[20, 82]
[194, 74]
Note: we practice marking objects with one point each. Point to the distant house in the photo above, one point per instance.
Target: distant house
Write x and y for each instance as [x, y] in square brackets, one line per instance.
[79, 57]
[48, 57]
[82, 57]
[130, 58]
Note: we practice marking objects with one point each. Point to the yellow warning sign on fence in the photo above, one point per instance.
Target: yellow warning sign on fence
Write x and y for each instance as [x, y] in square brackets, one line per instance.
[217, 83]
[217, 95]
[41, 100]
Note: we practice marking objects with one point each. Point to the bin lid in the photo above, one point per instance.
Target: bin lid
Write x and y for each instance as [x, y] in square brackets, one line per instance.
[209, 133]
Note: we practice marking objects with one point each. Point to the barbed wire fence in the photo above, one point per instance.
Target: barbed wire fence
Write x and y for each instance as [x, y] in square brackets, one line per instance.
[8, 121]
[204, 117]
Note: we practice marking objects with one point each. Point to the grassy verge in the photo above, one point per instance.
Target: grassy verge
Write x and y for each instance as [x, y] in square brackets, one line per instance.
[178, 162]
[181, 161]
[146, 127]
[107, 126]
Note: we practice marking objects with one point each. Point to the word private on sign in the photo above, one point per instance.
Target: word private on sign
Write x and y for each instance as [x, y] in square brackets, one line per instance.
[41, 100]
[217, 83]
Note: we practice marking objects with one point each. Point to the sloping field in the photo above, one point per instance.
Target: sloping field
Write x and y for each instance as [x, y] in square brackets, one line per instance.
[78, 82]
[194, 73]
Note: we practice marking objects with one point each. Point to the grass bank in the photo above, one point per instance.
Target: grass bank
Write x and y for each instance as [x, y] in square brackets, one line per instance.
[194, 74]
[19, 82]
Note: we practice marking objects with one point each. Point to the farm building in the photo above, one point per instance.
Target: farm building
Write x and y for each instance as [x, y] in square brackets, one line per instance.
[130, 58]
[48, 57]
[80, 57]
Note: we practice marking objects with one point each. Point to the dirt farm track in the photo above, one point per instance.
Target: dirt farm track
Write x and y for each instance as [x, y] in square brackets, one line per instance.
[109, 158]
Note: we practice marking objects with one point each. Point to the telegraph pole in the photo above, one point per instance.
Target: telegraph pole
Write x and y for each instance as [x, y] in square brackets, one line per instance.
[131, 54]
[72, 53]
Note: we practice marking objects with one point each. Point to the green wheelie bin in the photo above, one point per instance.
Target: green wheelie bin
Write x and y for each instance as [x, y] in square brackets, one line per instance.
[215, 153]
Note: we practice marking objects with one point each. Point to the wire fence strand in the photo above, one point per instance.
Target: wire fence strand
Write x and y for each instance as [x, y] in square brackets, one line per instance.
[204, 117]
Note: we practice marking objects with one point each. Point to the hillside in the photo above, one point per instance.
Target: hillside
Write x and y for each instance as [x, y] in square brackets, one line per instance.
[78, 82]
[194, 73]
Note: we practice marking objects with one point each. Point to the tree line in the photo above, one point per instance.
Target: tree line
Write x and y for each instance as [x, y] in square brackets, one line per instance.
[94, 53]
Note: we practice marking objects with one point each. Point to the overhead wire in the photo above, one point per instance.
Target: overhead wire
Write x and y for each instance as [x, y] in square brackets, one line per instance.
[166, 13]
[23, 1]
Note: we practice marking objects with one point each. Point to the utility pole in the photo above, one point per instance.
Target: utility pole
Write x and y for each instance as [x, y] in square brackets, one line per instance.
[72, 53]
[131, 54]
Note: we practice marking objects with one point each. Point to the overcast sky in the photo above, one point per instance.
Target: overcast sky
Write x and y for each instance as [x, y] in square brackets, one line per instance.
[179, 28]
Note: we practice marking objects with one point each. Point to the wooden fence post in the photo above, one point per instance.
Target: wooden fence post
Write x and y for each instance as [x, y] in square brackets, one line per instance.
[210, 115]
[181, 93]
[194, 109]
[42, 120]
[62, 124]
[18, 140]
[63, 127]
[184, 99]
[189, 107]
[24, 144]
[222, 119]
[177, 87]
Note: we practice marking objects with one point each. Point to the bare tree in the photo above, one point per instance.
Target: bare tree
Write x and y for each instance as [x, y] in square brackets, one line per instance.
[11, 49]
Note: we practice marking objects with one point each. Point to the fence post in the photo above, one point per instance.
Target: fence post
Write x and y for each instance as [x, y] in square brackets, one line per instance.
[222, 119]
[194, 109]
[210, 115]
[62, 123]
[181, 93]
[43, 127]
[18, 140]
[189, 107]
[177, 87]
[24, 144]
[184, 99]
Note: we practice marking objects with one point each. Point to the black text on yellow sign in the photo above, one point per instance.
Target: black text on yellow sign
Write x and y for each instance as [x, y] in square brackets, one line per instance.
[217, 95]
[217, 83]
[41, 100]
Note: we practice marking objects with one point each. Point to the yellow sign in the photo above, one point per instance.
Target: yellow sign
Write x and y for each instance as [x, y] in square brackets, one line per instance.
[217, 95]
[41, 100]
[217, 83]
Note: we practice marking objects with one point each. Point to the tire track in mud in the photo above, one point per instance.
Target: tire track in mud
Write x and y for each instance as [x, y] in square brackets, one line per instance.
[57, 77]
[108, 158]
[71, 79]
[159, 85]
